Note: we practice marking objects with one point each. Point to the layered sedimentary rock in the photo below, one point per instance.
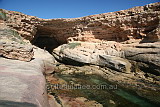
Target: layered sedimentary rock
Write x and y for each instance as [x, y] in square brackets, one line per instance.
[12, 45]
[126, 41]
[135, 23]
[23, 24]
[134, 26]
[148, 53]
[23, 83]
[88, 53]
[16, 51]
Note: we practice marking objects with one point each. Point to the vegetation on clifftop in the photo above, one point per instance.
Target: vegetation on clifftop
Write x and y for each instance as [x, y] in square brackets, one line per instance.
[3, 15]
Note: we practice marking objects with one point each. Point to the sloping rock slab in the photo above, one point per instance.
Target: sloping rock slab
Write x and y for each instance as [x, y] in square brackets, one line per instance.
[148, 53]
[116, 63]
[22, 84]
[80, 55]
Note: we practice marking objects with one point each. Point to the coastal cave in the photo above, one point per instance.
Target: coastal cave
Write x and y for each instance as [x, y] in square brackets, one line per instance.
[44, 40]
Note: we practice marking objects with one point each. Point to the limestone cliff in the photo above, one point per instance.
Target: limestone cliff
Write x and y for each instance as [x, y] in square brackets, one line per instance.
[127, 41]
[138, 23]
[132, 26]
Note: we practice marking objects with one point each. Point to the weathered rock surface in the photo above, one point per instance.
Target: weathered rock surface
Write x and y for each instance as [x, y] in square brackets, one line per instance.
[87, 53]
[116, 63]
[23, 24]
[148, 53]
[12, 45]
[15, 50]
[143, 84]
[109, 40]
[136, 23]
[113, 55]
[23, 83]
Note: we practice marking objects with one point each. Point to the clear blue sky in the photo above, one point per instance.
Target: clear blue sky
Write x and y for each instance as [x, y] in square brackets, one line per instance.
[49, 9]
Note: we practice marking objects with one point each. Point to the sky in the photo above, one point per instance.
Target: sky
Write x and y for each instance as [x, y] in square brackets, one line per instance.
[50, 9]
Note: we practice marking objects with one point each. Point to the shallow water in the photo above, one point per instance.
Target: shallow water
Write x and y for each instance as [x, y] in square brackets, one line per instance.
[94, 87]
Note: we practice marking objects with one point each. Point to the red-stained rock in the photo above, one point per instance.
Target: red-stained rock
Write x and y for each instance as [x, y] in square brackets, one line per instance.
[22, 83]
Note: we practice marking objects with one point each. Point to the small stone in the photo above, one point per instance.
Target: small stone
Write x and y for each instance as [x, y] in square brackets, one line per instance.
[112, 102]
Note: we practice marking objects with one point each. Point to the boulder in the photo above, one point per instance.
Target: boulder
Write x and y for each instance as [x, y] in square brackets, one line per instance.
[22, 84]
[13, 50]
[116, 63]
[81, 54]
[148, 53]
[13, 46]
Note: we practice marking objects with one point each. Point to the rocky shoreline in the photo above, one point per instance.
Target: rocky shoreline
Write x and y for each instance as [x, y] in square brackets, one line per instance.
[121, 47]
[146, 87]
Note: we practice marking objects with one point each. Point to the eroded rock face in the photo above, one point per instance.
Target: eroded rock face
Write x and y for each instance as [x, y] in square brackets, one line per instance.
[116, 63]
[14, 50]
[109, 39]
[13, 46]
[111, 54]
[22, 83]
[148, 53]
[23, 24]
[135, 23]
[88, 53]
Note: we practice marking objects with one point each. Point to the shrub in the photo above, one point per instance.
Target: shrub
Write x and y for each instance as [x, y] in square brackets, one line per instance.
[70, 46]
[73, 45]
[15, 34]
[3, 15]
[17, 37]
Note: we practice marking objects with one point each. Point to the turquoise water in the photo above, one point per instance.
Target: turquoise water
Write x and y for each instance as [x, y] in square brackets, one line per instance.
[110, 96]
[134, 99]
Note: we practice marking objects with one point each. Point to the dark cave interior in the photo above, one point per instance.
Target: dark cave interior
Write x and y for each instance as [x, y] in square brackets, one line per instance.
[44, 40]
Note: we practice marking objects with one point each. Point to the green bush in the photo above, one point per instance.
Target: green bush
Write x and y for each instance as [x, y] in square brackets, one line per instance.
[16, 37]
[73, 45]
[16, 34]
[70, 46]
[3, 15]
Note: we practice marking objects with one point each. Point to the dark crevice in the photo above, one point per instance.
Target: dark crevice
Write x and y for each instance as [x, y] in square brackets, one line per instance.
[47, 43]
[44, 40]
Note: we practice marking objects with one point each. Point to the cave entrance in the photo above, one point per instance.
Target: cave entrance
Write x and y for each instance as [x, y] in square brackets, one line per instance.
[45, 41]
